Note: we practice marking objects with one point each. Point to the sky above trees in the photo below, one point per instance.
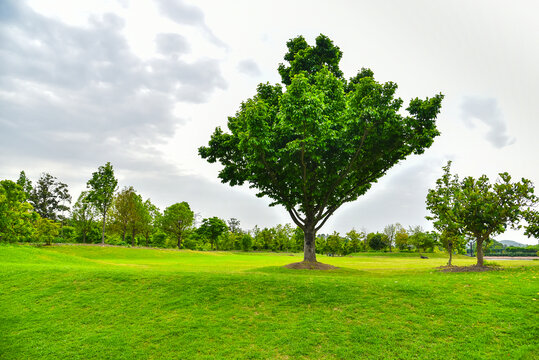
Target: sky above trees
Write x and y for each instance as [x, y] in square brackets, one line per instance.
[142, 84]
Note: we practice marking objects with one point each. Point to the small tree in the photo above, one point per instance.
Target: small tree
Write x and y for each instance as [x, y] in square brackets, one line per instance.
[322, 140]
[401, 239]
[376, 241]
[123, 210]
[177, 220]
[479, 209]
[25, 184]
[46, 230]
[212, 228]
[83, 215]
[355, 240]
[390, 231]
[149, 217]
[101, 187]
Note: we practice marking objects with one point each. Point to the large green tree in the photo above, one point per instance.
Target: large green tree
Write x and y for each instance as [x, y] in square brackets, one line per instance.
[177, 220]
[478, 209]
[101, 187]
[319, 141]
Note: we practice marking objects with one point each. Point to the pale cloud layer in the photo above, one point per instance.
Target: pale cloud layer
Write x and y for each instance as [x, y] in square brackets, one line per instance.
[488, 112]
[79, 94]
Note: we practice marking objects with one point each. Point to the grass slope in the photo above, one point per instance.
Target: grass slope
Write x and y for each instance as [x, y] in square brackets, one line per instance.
[78, 302]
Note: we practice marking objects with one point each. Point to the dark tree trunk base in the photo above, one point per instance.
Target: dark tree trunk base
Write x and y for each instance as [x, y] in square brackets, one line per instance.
[471, 268]
[310, 265]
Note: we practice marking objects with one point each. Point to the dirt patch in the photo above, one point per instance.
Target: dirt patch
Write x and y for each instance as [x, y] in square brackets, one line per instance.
[310, 266]
[472, 268]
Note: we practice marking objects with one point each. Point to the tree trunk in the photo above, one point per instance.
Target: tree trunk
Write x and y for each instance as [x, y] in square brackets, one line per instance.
[179, 242]
[133, 237]
[103, 232]
[309, 245]
[479, 252]
[147, 237]
[450, 248]
[123, 234]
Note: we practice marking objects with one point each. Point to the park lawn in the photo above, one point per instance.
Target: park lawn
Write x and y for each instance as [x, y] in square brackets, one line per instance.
[83, 302]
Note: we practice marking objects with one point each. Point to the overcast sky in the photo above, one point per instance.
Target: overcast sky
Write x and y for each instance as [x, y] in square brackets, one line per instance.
[142, 84]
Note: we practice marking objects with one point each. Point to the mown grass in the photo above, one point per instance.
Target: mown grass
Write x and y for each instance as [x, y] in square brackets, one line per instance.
[74, 302]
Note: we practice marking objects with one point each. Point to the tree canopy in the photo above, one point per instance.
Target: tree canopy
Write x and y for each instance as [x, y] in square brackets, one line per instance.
[319, 141]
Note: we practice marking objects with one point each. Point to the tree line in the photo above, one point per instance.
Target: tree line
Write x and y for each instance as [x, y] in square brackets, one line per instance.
[104, 214]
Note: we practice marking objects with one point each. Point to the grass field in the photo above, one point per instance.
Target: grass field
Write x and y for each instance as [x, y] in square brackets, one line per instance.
[82, 302]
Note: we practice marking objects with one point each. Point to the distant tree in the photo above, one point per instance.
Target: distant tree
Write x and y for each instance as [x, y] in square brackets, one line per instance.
[136, 224]
[149, 218]
[46, 230]
[102, 187]
[401, 239]
[177, 220]
[355, 239]
[334, 244]
[123, 210]
[16, 215]
[390, 231]
[25, 184]
[212, 228]
[376, 242]
[234, 226]
[246, 242]
[421, 239]
[297, 239]
[479, 209]
[49, 197]
[83, 215]
[321, 141]
[283, 235]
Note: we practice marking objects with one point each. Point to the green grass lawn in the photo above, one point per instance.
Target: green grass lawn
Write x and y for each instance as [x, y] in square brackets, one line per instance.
[81, 302]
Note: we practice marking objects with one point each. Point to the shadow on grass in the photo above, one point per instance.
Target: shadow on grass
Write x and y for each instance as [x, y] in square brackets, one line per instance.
[301, 272]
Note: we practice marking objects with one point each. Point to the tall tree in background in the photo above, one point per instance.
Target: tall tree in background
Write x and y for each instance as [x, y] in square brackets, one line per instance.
[321, 141]
[49, 197]
[177, 219]
[478, 209]
[83, 215]
[101, 187]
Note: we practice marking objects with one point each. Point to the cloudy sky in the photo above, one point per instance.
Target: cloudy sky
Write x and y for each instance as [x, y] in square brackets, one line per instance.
[142, 84]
